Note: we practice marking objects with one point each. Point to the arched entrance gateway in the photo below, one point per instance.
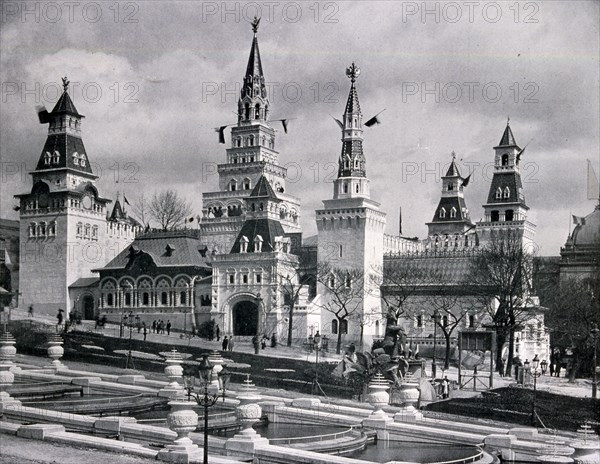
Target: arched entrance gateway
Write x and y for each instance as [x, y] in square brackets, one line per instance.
[245, 318]
[88, 307]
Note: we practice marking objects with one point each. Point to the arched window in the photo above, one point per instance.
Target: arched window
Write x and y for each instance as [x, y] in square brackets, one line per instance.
[145, 298]
[344, 326]
[495, 216]
[345, 187]
[86, 231]
[244, 244]
[52, 228]
[79, 229]
[251, 141]
[76, 159]
[42, 229]
[450, 187]
[453, 212]
[445, 320]
[47, 158]
[505, 160]
[32, 229]
[164, 298]
[509, 215]
[357, 188]
[506, 192]
[442, 213]
[233, 185]
[127, 299]
[247, 110]
[257, 111]
[109, 299]
[56, 157]
[498, 192]
[82, 160]
[419, 320]
[246, 184]
[182, 298]
[258, 243]
[471, 320]
[334, 326]
[95, 233]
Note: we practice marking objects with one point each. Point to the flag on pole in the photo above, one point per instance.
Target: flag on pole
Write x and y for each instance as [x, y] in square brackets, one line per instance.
[593, 189]
[465, 181]
[221, 131]
[125, 200]
[578, 221]
[339, 123]
[374, 120]
[43, 114]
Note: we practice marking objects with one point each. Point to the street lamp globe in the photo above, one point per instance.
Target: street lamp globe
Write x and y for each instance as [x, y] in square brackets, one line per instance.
[536, 362]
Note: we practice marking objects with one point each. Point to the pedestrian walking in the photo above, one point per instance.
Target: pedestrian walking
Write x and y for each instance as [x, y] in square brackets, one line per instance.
[263, 342]
[231, 344]
[30, 311]
[145, 330]
[218, 332]
[225, 343]
[256, 344]
[168, 327]
[154, 326]
[273, 340]
[445, 387]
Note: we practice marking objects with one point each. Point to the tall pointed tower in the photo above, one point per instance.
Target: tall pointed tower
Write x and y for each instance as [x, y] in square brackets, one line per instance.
[451, 216]
[506, 207]
[63, 223]
[251, 156]
[351, 225]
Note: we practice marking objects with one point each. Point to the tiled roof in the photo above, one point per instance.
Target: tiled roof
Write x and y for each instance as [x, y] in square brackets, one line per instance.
[311, 241]
[453, 170]
[65, 145]
[65, 105]
[185, 251]
[254, 67]
[352, 105]
[501, 180]
[263, 189]
[438, 270]
[117, 212]
[268, 229]
[447, 203]
[508, 140]
[83, 282]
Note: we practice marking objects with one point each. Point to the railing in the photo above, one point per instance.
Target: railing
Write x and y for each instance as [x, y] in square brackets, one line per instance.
[325, 437]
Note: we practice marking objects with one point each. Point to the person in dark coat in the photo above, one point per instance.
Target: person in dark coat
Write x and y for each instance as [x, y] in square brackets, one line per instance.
[145, 330]
[218, 332]
[168, 327]
[154, 326]
[225, 343]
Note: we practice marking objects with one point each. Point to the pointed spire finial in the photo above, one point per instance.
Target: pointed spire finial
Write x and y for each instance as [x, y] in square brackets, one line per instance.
[255, 24]
[66, 83]
[453, 155]
[508, 121]
[352, 72]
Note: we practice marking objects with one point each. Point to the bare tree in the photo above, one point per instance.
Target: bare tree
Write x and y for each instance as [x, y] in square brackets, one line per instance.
[141, 210]
[291, 285]
[169, 209]
[343, 296]
[503, 271]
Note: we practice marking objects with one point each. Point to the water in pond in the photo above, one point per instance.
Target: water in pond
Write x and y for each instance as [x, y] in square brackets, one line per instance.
[385, 451]
[289, 430]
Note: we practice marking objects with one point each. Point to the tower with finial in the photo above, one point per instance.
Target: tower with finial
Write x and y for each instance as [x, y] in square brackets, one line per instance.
[251, 156]
[63, 218]
[351, 225]
[451, 218]
[506, 208]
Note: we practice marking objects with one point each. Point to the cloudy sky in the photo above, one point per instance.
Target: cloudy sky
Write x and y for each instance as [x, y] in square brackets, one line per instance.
[154, 78]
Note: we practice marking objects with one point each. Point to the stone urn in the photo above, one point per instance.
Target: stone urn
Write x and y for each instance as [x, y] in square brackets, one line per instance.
[55, 350]
[7, 349]
[378, 395]
[174, 371]
[217, 361]
[182, 420]
[408, 396]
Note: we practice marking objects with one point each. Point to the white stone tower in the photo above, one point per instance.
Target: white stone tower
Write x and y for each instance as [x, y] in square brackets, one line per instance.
[64, 229]
[251, 156]
[351, 226]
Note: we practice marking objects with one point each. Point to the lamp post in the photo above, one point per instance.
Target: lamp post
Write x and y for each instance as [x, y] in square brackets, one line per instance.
[203, 399]
[535, 362]
[436, 319]
[129, 318]
[594, 333]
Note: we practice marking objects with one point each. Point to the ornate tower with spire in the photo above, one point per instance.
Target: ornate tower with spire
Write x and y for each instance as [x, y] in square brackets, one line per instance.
[252, 155]
[506, 207]
[64, 229]
[451, 216]
[351, 225]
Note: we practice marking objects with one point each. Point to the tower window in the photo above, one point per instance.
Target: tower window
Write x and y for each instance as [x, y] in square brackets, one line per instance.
[231, 279]
[243, 244]
[258, 278]
[450, 187]
[505, 160]
[420, 320]
[258, 243]
[233, 185]
[109, 299]
[79, 229]
[453, 212]
[498, 192]
[357, 188]
[471, 320]
[494, 216]
[32, 229]
[56, 157]
[345, 187]
[443, 213]
[47, 158]
[245, 278]
[509, 215]
[506, 192]
[246, 184]
[76, 159]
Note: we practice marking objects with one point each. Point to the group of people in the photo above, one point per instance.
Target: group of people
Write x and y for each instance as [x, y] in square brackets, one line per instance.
[228, 343]
[160, 326]
[262, 343]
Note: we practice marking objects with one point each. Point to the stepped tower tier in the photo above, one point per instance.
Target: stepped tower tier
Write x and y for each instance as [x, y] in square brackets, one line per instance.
[251, 157]
[351, 226]
[451, 215]
[506, 207]
[64, 229]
